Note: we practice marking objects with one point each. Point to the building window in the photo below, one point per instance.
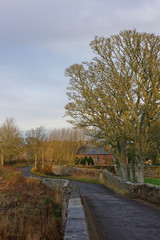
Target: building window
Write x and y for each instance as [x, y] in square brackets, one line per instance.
[106, 159]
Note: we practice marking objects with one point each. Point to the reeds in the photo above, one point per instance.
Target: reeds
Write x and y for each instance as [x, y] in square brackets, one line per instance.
[28, 209]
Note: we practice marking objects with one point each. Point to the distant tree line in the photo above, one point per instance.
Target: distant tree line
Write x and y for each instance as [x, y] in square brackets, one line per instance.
[38, 147]
[58, 147]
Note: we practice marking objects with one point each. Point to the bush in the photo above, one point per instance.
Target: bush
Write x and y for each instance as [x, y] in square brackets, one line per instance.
[77, 161]
[83, 161]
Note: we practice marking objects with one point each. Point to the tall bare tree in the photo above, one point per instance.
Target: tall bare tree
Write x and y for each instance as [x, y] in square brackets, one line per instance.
[118, 93]
[35, 139]
[10, 140]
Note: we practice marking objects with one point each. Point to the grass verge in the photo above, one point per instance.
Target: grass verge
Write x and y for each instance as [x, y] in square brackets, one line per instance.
[71, 178]
[28, 209]
[88, 179]
[155, 181]
[120, 191]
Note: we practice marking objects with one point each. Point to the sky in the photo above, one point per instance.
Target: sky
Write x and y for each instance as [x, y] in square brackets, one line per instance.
[39, 39]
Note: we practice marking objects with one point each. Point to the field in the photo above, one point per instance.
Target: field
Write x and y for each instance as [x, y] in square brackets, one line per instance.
[155, 181]
[28, 209]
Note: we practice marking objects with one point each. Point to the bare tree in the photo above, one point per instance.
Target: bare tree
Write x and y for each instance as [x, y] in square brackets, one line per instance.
[35, 139]
[118, 94]
[63, 144]
[10, 140]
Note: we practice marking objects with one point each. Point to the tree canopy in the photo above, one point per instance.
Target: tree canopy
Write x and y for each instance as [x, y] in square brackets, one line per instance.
[117, 93]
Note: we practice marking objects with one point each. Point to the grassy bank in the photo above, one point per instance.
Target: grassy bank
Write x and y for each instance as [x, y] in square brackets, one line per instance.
[28, 209]
[155, 181]
[72, 178]
[88, 179]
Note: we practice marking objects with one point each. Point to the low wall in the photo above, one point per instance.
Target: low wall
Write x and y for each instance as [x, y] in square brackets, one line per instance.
[152, 171]
[76, 225]
[111, 179]
[56, 183]
[93, 173]
[148, 192]
[70, 171]
[63, 170]
[149, 171]
[65, 190]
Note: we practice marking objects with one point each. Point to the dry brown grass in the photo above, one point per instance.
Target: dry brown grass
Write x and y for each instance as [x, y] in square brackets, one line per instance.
[28, 209]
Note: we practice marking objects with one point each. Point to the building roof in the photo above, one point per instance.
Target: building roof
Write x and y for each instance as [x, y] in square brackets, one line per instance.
[91, 150]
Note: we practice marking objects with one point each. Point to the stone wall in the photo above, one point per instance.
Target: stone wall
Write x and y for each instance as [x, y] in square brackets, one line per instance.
[152, 172]
[70, 171]
[63, 170]
[92, 173]
[118, 182]
[147, 192]
[149, 171]
[76, 225]
[65, 189]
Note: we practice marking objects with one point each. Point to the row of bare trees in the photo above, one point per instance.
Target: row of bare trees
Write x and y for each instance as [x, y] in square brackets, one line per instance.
[59, 146]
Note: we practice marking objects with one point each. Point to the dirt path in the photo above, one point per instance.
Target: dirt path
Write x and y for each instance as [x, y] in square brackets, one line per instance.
[116, 217]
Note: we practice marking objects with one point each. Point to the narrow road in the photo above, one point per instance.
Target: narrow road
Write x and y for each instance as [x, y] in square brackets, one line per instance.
[120, 218]
[26, 172]
[117, 217]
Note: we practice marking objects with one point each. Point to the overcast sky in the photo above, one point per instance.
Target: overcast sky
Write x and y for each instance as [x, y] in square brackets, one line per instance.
[39, 39]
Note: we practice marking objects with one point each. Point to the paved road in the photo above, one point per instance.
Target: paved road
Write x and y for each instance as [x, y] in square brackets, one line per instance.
[117, 217]
[120, 218]
[27, 173]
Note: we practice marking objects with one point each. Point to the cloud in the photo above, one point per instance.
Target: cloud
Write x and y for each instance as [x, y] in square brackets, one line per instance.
[68, 26]
[38, 20]
[144, 17]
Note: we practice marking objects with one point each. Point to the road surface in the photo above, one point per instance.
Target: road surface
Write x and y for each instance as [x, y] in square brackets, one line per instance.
[117, 217]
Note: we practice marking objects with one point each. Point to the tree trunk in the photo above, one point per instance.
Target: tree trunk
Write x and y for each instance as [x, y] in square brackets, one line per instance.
[35, 159]
[137, 169]
[132, 171]
[139, 172]
[43, 163]
[124, 171]
[118, 169]
[124, 160]
[2, 160]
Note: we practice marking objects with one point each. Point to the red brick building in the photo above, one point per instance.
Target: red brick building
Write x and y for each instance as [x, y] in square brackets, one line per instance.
[99, 154]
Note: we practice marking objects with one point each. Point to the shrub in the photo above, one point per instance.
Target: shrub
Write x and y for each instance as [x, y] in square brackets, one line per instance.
[83, 161]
